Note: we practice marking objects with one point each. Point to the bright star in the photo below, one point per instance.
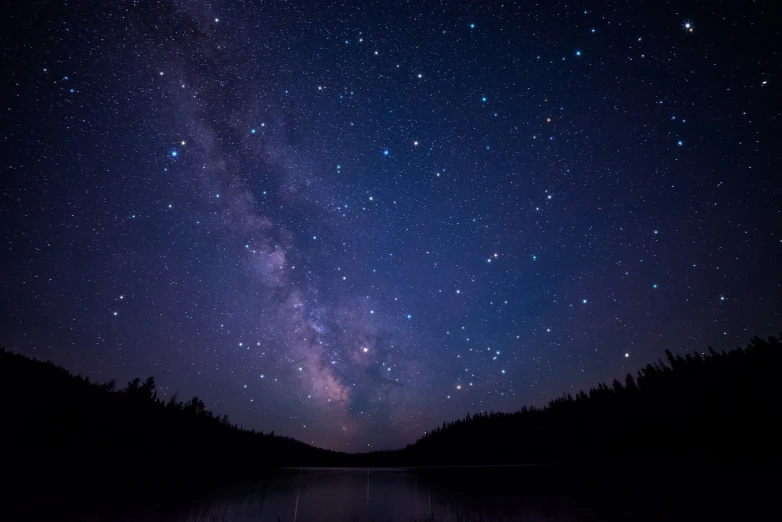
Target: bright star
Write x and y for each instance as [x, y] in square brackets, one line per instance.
[174, 153]
[252, 131]
[409, 316]
[472, 26]
[687, 26]
[627, 355]
[578, 53]
[584, 301]
[386, 152]
[483, 99]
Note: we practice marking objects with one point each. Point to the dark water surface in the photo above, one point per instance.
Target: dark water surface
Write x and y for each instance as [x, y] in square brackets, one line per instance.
[487, 494]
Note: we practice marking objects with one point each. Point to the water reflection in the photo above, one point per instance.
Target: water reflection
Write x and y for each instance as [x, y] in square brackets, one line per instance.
[380, 495]
[492, 494]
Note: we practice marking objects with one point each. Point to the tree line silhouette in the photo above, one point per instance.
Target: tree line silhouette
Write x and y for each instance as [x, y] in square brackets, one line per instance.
[707, 407]
[713, 406]
[60, 424]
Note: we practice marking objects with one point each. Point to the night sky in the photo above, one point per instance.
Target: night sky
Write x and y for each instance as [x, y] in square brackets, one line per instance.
[349, 224]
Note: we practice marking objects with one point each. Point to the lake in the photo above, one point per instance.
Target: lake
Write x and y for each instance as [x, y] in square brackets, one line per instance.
[459, 494]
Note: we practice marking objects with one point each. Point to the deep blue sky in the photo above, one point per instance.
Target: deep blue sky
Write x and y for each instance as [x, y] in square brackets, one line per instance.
[349, 224]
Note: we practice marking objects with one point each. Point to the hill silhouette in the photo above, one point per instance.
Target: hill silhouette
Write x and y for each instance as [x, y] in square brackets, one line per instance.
[60, 426]
[712, 407]
[706, 408]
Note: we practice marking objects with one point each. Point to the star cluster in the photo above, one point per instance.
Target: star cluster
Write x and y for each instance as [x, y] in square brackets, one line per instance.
[349, 223]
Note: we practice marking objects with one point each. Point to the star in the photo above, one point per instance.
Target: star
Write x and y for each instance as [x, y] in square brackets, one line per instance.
[578, 53]
[386, 152]
[627, 355]
[174, 154]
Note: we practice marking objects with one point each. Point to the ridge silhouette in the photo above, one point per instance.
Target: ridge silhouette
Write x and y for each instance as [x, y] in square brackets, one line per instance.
[718, 407]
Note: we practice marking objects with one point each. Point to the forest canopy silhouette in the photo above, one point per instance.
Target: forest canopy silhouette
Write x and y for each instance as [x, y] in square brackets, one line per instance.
[711, 406]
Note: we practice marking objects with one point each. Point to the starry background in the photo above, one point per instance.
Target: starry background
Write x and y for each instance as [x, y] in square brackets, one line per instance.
[349, 223]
